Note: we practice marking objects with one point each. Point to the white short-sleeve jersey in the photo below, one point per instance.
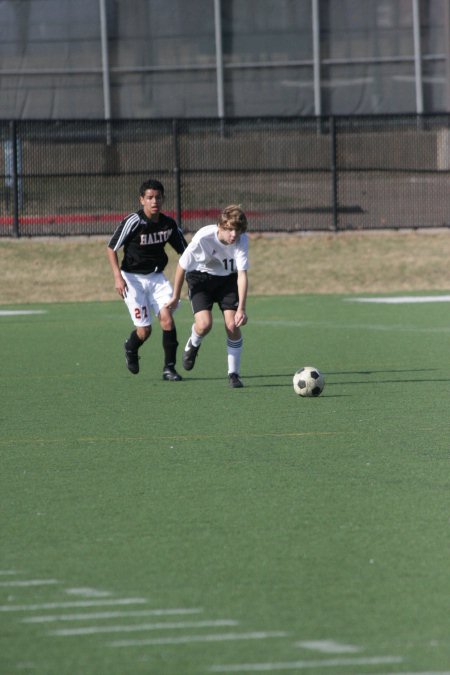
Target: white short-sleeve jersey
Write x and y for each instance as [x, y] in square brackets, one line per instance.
[205, 253]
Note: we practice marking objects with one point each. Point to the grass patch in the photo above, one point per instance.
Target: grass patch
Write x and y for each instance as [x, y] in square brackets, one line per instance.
[291, 519]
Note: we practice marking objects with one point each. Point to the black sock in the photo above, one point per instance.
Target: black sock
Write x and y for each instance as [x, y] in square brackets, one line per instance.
[134, 342]
[170, 344]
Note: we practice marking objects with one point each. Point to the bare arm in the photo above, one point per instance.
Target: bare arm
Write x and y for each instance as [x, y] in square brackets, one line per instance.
[177, 286]
[242, 282]
[119, 281]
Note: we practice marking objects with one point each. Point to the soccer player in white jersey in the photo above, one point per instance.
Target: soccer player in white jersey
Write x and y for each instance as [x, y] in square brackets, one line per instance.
[140, 278]
[215, 266]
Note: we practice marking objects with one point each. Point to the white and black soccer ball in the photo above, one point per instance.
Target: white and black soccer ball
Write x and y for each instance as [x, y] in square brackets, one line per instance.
[308, 381]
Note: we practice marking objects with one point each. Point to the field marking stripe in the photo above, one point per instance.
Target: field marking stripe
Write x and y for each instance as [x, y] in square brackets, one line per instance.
[88, 592]
[328, 646]
[351, 326]
[74, 603]
[184, 437]
[190, 437]
[428, 672]
[402, 299]
[296, 665]
[53, 618]
[95, 630]
[29, 582]
[186, 639]
[20, 312]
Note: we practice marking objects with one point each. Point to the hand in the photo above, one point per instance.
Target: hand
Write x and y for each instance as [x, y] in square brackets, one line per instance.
[173, 303]
[121, 287]
[240, 318]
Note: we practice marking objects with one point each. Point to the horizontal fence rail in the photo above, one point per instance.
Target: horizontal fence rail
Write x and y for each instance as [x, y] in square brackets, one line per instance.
[60, 178]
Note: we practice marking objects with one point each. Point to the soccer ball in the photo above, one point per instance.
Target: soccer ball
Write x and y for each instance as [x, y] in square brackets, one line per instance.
[308, 381]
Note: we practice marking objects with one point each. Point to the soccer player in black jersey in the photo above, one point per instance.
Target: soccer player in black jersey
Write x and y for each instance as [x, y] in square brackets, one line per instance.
[140, 278]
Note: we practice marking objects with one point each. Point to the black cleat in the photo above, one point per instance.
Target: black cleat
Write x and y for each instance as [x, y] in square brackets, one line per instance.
[234, 381]
[189, 355]
[132, 359]
[169, 373]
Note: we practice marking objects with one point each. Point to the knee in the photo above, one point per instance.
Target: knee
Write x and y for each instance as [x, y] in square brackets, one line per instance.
[167, 322]
[232, 331]
[203, 326]
[143, 332]
[166, 319]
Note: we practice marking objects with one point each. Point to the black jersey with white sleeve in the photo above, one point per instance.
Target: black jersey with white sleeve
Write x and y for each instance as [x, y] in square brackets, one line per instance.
[144, 240]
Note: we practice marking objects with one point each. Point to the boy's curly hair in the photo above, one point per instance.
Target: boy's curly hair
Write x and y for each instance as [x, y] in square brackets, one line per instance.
[233, 217]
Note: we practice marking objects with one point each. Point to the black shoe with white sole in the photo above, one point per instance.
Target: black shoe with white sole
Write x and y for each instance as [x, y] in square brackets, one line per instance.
[189, 355]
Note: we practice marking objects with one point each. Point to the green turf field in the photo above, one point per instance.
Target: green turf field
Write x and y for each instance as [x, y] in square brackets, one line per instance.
[187, 528]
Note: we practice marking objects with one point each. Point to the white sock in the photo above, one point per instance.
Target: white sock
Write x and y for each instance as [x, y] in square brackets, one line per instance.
[234, 351]
[195, 339]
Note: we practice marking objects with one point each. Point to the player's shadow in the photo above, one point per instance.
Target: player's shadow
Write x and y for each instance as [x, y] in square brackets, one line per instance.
[371, 371]
[244, 377]
[287, 378]
[255, 379]
[384, 380]
[397, 380]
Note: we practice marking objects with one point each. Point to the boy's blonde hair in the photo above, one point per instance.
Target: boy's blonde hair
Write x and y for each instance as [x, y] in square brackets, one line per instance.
[233, 217]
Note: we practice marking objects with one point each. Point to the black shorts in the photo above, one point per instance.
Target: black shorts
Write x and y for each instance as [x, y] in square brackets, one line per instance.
[206, 289]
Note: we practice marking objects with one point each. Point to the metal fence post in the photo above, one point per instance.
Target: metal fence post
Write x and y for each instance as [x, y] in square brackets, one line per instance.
[177, 171]
[219, 59]
[14, 178]
[334, 176]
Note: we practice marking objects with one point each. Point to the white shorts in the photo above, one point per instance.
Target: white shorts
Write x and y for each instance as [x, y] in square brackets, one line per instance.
[146, 293]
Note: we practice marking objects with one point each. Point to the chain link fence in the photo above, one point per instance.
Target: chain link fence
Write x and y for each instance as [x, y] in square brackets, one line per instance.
[60, 178]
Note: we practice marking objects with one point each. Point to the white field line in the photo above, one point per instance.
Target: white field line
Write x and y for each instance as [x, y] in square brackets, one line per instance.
[28, 582]
[428, 672]
[403, 299]
[186, 639]
[54, 618]
[88, 592]
[19, 312]
[298, 665]
[5, 572]
[74, 603]
[328, 647]
[134, 628]
[351, 326]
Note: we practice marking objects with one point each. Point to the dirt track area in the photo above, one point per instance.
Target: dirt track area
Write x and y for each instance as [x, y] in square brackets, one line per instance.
[77, 269]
